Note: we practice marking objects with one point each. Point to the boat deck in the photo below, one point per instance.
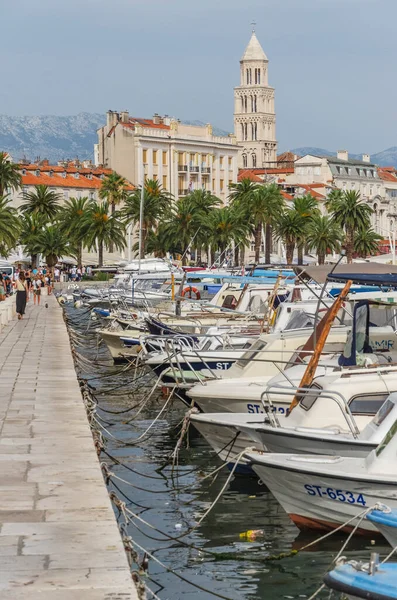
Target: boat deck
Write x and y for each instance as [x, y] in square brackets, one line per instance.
[58, 536]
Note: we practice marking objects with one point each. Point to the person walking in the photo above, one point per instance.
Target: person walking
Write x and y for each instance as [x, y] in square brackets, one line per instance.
[22, 295]
[37, 284]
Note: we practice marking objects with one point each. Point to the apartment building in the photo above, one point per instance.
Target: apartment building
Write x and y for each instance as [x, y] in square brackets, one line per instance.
[181, 157]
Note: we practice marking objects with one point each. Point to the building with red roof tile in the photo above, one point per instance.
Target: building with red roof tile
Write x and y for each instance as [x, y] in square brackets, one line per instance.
[181, 157]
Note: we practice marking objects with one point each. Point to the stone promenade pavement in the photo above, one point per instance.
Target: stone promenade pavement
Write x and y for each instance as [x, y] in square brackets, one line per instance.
[58, 536]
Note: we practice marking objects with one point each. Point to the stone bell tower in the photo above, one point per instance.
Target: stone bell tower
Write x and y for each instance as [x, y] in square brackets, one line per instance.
[254, 111]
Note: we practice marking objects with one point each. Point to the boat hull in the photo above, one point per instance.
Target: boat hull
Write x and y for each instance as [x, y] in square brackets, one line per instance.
[317, 501]
[122, 345]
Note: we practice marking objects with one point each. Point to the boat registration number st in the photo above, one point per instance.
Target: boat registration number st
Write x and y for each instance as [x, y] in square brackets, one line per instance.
[333, 494]
[258, 408]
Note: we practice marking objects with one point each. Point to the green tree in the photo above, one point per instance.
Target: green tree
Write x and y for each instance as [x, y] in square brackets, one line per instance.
[240, 197]
[227, 225]
[352, 215]
[74, 224]
[290, 227]
[323, 236]
[366, 242]
[9, 226]
[114, 190]
[52, 243]
[31, 227]
[307, 207]
[264, 206]
[156, 207]
[102, 228]
[43, 201]
[203, 202]
[10, 177]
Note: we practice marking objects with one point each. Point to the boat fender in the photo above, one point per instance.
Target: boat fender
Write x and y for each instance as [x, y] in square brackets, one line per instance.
[189, 290]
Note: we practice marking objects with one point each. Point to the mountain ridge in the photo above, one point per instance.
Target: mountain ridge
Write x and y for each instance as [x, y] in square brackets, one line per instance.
[56, 137]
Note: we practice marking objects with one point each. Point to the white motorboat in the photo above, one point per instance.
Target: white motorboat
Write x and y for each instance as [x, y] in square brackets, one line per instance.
[324, 492]
[385, 520]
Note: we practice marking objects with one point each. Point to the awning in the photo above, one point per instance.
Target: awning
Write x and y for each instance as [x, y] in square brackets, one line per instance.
[320, 273]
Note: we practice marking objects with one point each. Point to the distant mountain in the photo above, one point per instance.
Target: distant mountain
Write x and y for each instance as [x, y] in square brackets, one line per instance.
[55, 137]
[386, 158]
[50, 136]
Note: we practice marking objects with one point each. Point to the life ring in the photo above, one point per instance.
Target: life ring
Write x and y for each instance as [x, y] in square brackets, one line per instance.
[188, 290]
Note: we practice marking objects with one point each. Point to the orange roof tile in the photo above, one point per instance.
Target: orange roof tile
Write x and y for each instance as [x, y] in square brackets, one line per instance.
[247, 174]
[387, 174]
[69, 181]
[286, 195]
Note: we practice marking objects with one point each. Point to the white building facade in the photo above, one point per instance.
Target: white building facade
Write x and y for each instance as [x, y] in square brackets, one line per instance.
[181, 157]
[254, 110]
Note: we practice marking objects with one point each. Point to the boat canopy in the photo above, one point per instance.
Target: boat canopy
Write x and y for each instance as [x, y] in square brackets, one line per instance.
[322, 273]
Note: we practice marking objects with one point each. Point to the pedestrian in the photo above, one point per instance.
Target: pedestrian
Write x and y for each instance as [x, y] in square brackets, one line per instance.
[37, 284]
[2, 289]
[28, 279]
[22, 295]
[78, 274]
[48, 283]
[57, 274]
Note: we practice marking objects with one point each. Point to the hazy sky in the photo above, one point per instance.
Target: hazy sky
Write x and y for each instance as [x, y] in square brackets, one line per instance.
[332, 62]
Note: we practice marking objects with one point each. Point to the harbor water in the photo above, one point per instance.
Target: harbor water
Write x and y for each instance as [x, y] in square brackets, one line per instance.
[235, 552]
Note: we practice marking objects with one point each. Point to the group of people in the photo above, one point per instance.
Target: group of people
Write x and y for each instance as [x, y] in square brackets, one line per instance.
[25, 283]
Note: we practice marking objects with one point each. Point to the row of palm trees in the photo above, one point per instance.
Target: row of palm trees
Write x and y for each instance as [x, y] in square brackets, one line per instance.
[197, 222]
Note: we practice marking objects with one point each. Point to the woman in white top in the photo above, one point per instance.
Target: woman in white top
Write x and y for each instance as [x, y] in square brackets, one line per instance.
[22, 294]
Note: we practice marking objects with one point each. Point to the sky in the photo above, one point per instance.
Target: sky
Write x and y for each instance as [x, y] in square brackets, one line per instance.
[332, 63]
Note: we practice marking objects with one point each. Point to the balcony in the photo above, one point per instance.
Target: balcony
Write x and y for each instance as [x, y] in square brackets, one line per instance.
[182, 168]
[183, 192]
[194, 169]
[205, 170]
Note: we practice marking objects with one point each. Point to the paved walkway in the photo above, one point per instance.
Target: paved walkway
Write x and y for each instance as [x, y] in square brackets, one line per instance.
[58, 535]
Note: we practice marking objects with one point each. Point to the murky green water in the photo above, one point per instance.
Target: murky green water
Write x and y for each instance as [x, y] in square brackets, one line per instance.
[172, 502]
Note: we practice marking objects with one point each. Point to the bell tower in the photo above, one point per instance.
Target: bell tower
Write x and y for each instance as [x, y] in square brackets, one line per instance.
[254, 111]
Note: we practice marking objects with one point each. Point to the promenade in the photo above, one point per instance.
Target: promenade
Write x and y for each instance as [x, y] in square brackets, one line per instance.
[58, 535]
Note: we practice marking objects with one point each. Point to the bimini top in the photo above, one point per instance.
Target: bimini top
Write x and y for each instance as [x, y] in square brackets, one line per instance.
[322, 272]
[382, 280]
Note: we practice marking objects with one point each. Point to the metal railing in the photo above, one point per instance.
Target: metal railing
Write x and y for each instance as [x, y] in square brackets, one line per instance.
[280, 390]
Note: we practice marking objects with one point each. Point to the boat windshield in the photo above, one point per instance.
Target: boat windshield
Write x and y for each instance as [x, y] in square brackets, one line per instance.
[251, 353]
[387, 439]
[300, 320]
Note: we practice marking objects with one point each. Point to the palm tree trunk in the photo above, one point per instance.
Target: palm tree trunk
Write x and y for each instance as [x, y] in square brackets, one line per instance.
[321, 258]
[258, 241]
[236, 255]
[80, 255]
[34, 261]
[100, 254]
[111, 246]
[349, 245]
[300, 254]
[268, 243]
[289, 251]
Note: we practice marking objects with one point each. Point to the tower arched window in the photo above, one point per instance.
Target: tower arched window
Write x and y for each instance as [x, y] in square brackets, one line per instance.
[245, 163]
[252, 131]
[248, 76]
[242, 131]
[254, 160]
[245, 100]
[259, 76]
[242, 103]
[255, 105]
[252, 103]
[255, 131]
[245, 131]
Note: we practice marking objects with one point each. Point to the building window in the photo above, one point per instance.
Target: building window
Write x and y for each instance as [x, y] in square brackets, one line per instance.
[65, 194]
[221, 182]
[259, 76]
[155, 157]
[165, 181]
[38, 173]
[245, 131]
[245, 163]
[76, 175]
[254, 160]
[91, 195]
[164, 157]
[248, 77]
[230, 162]
[144, 156]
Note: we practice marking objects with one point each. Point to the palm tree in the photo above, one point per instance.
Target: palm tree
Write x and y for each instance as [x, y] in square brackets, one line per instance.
[227, 226]
[10, 177]
[264, 206]
[156, 206]
[353, 215]
[335, 195]
[183, 224]
[307, 207]
[290, 227]
[240, 195]
[31, 227]
[366, 242]
[324, 236]
[102, 228]
[43, 201]
[9, 226]
[203, 202]
[114, 190]
[74, 224]
[52, 243]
